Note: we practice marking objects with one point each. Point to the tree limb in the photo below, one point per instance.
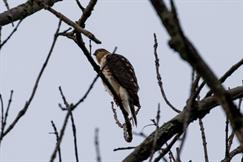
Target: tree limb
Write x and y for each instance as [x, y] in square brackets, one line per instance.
[175, 125]
[26, 9]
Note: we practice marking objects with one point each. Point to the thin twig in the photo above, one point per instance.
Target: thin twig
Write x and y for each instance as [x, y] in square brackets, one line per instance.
[80, 6]
[61, 134]
[74, 138]
[156, 134]
[189, 108]
[73, 24]
[236, 151]
[28, 102]
[204, 141]
[87, 92]
[0, 34]
[6, 112]
[227, 138]
[2, 113]
[11, 34]
[160, 83]
[90, 46]
[57, 138]
[69, 108]
[63, 97]
[97, 146]
[167, 149]
[123, 148]
[86, 13]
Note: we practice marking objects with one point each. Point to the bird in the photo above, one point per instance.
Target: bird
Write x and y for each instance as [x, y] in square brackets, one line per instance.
[121, 75]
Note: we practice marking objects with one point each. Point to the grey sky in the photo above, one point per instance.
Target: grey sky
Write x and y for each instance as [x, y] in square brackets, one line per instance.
[215, 27]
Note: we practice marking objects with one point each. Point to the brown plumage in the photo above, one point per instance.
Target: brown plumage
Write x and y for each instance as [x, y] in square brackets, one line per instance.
[120, 73]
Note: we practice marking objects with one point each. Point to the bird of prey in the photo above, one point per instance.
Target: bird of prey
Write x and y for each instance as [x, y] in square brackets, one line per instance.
[120, 74]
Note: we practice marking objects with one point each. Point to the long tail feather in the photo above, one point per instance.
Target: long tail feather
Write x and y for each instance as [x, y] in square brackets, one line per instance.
[132, 109]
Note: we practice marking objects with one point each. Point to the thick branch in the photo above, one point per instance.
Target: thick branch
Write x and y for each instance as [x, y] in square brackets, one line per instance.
[23, 10]
[175, 125]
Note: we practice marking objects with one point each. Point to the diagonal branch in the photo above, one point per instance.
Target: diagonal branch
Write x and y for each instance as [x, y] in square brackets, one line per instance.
[26, 9]
[74, 25]
[11, 34]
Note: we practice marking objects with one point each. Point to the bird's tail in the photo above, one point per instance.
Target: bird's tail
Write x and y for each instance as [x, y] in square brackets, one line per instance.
[132, 109]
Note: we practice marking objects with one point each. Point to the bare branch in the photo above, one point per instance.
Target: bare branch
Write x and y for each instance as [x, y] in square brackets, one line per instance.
[26, 9]
[97, 146]
[69, 108]
[175, 125]
[5, 115]
[61, 134]
[160, 83]
[167, 149]
[86, 13]
[80, 6]
[188, 52]
[228, 74]
[73, 24]
[123, 148]
[74, 138]
[87, 92]
[28, 102]
[11, 34]
[2, 113]
[236, 151]
[156, 134]
[57, 138]
[204, 141]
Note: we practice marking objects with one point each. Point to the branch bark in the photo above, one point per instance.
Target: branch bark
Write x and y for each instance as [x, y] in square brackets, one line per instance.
[26, 9]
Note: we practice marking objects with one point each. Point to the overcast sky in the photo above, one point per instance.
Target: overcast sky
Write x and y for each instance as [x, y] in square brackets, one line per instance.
[214, 26]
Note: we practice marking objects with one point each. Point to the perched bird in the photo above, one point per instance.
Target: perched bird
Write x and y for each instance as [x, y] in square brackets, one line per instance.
[120, 74]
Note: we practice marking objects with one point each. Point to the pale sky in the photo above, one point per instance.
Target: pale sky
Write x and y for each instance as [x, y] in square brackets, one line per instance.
[215, 27]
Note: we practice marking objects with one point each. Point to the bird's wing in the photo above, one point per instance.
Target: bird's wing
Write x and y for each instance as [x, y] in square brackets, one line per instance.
[123, 72]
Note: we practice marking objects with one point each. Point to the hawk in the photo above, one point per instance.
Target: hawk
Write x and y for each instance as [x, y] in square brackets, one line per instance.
[120, 74]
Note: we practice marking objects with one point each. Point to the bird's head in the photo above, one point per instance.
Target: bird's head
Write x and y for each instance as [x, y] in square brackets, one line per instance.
[100, 53]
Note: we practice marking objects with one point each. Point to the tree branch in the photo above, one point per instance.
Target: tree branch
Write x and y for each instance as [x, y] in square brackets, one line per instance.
[28, 102]
[175, 125]
[22, 11]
